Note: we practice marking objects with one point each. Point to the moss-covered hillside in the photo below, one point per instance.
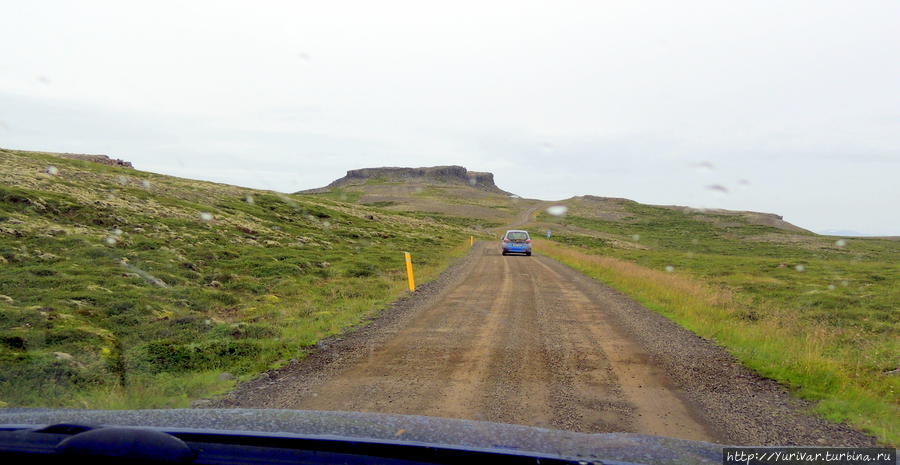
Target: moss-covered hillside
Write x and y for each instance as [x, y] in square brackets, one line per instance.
[122, 288]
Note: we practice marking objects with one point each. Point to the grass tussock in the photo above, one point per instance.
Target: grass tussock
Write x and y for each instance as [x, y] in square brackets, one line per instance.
[840, 368]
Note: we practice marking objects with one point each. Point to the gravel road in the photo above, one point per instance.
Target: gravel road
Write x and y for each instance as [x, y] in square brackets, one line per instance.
[527, 340]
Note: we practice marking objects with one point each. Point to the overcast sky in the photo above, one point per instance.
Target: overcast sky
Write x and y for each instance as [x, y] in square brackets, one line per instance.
[793, 107]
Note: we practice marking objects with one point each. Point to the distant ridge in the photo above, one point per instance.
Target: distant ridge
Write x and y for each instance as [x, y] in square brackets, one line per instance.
[440, 174]
[102, 159]
[753, 217]
[844, 232]
[402, 188]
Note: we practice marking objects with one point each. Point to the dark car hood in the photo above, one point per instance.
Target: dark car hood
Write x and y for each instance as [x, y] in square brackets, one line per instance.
[623, 447]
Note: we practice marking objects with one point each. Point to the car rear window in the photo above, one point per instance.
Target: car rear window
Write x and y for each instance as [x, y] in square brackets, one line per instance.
[517, 235]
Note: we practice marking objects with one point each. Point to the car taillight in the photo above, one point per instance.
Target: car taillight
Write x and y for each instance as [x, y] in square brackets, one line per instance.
[528, 241]
[505, 240]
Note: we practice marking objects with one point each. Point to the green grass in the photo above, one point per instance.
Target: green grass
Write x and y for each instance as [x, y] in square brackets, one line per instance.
[855, 285]
[466, 222]
[817, 315]
[342, 195]
[117, 292]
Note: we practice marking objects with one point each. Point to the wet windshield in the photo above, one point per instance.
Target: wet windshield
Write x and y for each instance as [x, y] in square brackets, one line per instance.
[302, 205]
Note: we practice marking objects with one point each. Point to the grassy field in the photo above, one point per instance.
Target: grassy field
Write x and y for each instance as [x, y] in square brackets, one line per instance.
[126, 289]
[819, 314]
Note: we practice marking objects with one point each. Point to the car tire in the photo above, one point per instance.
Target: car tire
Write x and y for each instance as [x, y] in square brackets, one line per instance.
[527, 254]
[504, 253]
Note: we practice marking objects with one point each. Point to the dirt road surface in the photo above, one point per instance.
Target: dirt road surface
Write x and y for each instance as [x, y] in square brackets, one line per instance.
[527, 340]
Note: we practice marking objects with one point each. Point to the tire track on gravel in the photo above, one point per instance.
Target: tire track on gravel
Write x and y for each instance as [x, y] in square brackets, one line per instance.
[516, 385]
[647, 402]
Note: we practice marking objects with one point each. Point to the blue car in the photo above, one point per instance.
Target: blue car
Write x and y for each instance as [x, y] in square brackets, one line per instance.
[516, 241]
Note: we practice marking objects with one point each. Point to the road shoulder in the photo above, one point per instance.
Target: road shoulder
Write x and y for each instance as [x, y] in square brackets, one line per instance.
[743, 406]
[336, 353]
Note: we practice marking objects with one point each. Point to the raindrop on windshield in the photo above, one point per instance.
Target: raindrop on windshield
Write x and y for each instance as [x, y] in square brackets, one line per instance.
[704, 167]
[840, 242]
[473, 181]
[146, 184]
[718, 188]
[284, 198]
[831, 287]
[249, 199]
[558, 210]
[111, 240]
[636, 237]
[800, 268]
[205, 216]
[123, 180]
[117, 232]
[52, 170]
[670, 268]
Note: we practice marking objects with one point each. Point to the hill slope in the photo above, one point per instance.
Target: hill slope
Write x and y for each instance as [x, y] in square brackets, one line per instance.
[121, 288]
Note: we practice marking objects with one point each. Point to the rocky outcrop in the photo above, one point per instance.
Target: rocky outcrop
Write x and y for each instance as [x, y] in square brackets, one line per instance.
[433, 174]
[102, 159]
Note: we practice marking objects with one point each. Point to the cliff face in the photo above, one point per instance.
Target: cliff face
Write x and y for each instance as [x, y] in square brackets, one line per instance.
[433, 174]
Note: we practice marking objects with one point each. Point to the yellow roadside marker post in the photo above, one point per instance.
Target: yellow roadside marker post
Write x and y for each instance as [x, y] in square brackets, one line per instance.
[471, 241]
[409, 272]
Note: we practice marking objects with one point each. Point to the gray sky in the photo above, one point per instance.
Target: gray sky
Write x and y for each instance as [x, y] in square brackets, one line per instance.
[792, 106]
